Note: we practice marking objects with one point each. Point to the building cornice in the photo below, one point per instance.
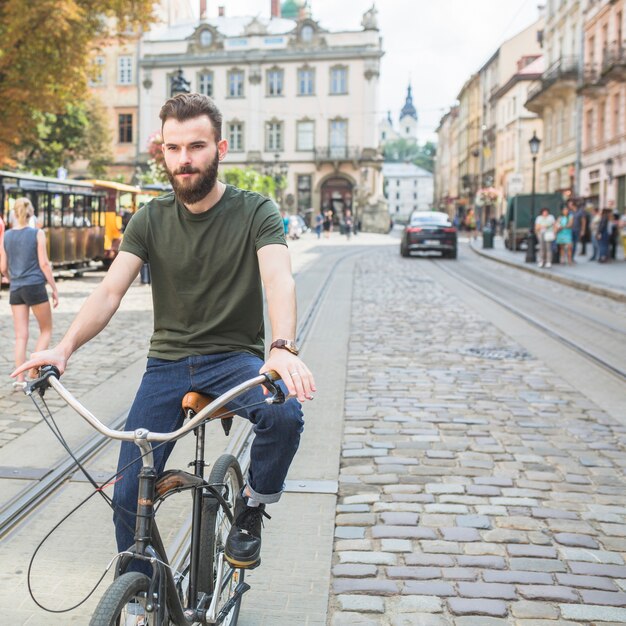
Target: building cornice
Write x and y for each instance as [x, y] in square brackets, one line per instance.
[257, 56]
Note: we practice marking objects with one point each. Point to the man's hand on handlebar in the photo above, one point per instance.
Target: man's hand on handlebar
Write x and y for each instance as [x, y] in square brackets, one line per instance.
[295, 374]
[54, 356]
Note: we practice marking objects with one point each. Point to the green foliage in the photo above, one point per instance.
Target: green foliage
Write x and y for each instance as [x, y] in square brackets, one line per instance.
[405, 150]
[156, 172]
[45, 52]
[249, 179]
[80, 131]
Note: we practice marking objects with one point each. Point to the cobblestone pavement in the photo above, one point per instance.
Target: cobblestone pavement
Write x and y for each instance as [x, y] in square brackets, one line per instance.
[124, 340]
[474, 491]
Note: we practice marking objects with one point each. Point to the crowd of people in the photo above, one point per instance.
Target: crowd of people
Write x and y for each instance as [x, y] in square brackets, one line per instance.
[558, 238]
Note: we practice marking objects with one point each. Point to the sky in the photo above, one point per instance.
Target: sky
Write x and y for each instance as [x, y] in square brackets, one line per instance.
[434, 44]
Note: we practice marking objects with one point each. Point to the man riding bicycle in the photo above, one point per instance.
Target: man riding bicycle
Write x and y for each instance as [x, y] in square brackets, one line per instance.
[211, 248]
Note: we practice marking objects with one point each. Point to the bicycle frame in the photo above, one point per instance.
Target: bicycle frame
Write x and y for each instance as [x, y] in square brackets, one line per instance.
[148, 544]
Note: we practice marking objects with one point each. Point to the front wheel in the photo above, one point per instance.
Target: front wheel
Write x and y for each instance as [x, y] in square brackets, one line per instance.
[214, 531]
[125, 598]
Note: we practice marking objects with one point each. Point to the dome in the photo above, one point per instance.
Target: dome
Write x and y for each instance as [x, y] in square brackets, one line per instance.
[290, 9]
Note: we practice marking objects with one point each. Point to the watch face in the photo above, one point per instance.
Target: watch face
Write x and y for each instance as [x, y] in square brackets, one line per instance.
[206, 38]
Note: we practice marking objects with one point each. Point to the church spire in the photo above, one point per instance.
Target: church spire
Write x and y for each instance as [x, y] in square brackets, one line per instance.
[409, 109]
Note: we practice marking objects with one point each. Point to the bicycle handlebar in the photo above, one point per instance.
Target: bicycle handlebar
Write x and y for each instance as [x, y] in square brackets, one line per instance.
[50, 376]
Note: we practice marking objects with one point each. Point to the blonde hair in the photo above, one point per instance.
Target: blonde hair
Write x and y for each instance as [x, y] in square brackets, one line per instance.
[23, 209]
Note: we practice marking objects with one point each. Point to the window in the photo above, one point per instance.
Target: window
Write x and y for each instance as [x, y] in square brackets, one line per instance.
[601, 118]
[125, 70]
[397, 195]
[339, 80]
[275, 82]
[235, 84]
[125, 128]
[205, 83]
[306, 81]
[615, 115]
[338, 138]
[235, 137]
[397, 182]
[98, 75]
[274, 137]
[305, 135]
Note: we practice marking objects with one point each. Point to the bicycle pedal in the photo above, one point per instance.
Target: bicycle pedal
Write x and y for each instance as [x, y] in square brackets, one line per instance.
[238, 565]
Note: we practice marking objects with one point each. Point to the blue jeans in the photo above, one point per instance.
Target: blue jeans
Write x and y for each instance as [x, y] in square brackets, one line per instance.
[157, 407]
[575, 239]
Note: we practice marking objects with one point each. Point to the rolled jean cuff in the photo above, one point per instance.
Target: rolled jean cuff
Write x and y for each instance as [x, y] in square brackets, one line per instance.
[264, 498]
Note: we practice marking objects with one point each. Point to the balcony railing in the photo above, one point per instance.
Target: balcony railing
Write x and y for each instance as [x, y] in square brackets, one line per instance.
[591, 79]
[614, 58]
[565, 69]
[337, 153]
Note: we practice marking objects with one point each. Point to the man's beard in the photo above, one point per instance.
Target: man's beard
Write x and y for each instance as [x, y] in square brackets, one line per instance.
[189, 192]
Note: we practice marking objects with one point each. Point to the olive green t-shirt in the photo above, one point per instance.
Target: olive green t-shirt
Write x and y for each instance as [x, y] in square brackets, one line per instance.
[206, 285]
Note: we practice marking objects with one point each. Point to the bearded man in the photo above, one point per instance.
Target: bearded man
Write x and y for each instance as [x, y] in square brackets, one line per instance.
[211, 248]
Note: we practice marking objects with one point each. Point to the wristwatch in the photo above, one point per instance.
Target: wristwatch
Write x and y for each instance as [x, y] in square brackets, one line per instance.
[286, 344]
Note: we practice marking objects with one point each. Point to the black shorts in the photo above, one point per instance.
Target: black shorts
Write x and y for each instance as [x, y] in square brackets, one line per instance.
[29, 295]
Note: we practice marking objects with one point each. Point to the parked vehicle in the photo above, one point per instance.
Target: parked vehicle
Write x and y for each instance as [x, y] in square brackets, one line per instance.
[517, 218]
[429, 231]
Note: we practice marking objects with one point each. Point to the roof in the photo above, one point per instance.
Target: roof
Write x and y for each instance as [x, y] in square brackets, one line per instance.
[404, 170]
[228, 26]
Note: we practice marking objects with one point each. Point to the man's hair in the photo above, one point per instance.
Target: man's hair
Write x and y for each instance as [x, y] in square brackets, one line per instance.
[186, 106]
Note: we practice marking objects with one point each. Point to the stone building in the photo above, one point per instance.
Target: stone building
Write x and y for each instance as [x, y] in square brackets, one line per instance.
[298, 101]
[554, 96]
[446, 163]
[408, 188]
[603, 90]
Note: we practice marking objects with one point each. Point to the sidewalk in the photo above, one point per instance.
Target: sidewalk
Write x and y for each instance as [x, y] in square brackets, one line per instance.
[608, 279]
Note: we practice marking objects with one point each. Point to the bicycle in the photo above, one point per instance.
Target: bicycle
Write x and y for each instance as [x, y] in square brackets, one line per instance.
[206, 589]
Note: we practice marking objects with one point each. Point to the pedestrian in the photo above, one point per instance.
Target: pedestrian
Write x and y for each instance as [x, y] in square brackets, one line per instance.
[1, 244]
[603, 236]
[285, 222]
[501, 223]
[585, 236]
[24, 259]
[578, 224]
[470, 223]
[564, 235]
[614, 231]
[328, 223]
[319, 222]
[213, 250]
[594, 224]
[348, 224]
[544, 229]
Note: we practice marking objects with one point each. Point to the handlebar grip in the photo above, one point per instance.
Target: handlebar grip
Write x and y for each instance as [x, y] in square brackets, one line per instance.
[41, 383]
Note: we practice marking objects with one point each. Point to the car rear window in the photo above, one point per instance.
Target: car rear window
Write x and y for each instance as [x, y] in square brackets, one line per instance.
[429, 218]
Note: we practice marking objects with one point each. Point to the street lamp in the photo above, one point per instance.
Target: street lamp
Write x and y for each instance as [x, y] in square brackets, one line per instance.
[278, 171]
[178, 83]
[608, 164]
[534, 144]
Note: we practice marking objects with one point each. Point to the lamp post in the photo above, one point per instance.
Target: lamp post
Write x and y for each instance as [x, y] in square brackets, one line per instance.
[534, 144]
[278, 171]
[178, 83]
[608, 165]
[362, 194]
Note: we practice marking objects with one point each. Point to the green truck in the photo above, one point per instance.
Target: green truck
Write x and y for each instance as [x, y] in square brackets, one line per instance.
[517, 218]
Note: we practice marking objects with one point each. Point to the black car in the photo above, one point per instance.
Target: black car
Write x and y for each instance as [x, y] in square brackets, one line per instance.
[429, 231]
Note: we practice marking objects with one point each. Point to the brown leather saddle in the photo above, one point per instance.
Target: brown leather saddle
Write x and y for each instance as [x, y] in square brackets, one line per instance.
[194, 402]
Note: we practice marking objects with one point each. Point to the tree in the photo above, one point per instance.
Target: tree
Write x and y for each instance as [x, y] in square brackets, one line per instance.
[426, 156]
[400, 150]
[80, 131]
[250, 179]
[45, 51]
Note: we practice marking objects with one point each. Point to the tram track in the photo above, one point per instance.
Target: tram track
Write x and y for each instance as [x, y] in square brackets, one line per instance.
[487, 283]
[26, 502]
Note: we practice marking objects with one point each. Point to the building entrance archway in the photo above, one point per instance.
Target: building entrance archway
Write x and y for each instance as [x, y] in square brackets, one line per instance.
[337, 195]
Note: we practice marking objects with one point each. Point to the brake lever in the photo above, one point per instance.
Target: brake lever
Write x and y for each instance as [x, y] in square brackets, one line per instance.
[42, 383]
[277, 394]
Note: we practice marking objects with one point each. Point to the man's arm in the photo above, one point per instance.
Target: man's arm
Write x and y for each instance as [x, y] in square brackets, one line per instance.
[93, 316]
[280, 292]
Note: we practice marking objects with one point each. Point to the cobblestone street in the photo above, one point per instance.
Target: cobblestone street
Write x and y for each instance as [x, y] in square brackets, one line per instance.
[473, 491]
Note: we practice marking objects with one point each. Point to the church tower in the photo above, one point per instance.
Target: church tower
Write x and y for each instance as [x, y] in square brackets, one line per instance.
[408, 118]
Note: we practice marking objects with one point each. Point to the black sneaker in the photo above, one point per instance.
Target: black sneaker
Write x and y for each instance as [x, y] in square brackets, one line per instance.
[243, 544]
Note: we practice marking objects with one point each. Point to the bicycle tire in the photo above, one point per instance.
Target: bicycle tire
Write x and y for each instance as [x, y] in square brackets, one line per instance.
[214, 530]
[111, 610]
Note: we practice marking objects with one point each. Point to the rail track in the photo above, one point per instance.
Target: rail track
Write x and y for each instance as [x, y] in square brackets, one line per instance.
[602, 336]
